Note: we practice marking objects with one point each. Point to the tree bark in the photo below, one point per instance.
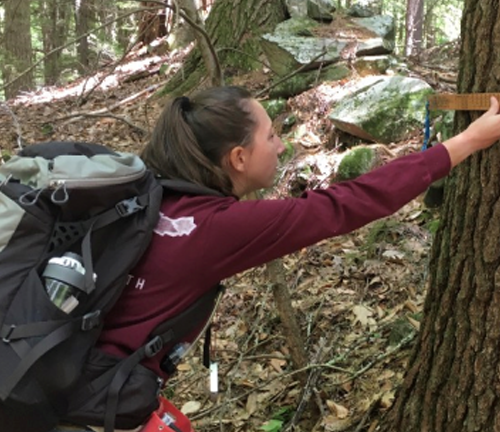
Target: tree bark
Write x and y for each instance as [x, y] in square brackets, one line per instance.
[18, 48]
[234, 27]
[453, 383]
[414, 26]
[152, 23]
[82, 14]
[54, 17]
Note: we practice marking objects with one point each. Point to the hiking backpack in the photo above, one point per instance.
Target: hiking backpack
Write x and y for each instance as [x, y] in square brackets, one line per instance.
[72, 199]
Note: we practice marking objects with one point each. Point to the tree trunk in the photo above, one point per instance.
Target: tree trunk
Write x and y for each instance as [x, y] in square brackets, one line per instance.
[82, 14]
[234, 27]
[453, 382]
[152, 23]
[414, 26]
[18, 48]
[54, 17]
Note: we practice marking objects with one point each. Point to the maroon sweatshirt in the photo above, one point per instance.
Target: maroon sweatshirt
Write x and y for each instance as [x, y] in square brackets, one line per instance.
[201, 240]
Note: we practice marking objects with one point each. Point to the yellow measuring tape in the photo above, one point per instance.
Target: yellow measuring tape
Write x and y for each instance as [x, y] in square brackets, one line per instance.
[461, 102]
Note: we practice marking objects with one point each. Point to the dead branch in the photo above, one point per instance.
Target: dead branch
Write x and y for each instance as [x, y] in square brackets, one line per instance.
[74, 117]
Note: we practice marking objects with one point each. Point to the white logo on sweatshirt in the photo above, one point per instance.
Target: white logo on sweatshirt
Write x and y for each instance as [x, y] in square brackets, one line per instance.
[174, 227]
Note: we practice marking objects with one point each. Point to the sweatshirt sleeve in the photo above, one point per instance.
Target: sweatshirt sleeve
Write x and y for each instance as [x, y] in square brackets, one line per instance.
[244, 234]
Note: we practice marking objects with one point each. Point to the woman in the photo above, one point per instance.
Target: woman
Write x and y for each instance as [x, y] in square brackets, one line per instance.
[223, 139]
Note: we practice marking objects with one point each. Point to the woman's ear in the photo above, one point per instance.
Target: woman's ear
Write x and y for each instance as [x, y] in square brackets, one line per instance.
[237, 158]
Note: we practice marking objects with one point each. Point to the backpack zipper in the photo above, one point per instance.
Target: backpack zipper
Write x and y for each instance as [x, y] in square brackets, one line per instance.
[82, 183]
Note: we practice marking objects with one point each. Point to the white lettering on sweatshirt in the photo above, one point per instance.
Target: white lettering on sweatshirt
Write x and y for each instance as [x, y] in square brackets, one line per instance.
[175, 227]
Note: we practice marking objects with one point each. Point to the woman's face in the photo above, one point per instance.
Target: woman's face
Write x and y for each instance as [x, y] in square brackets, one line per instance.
[260, 157]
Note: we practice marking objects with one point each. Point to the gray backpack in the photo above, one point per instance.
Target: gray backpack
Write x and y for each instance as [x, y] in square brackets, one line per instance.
[75, 218]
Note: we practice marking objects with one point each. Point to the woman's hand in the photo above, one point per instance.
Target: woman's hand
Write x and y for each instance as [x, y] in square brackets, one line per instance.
[480, 134]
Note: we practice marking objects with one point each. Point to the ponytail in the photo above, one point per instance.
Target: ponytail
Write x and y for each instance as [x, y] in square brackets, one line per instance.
[193, 135]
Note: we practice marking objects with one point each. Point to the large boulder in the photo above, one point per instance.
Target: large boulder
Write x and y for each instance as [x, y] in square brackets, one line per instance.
[297, 8]
[321, 10]
[383, 109]
[293, 45]
[295, 42]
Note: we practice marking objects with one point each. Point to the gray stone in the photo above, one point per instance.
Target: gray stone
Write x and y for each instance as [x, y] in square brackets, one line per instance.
[287, 48]
[372, 65]
[380, 25]
[320, 10]
[383, 109]
[362, 10]
[297, 8]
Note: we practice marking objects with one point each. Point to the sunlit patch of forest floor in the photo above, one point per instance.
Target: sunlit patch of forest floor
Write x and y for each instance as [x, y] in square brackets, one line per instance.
[358, 297]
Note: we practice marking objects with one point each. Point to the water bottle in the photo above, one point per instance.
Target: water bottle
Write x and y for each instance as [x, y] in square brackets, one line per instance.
[173, 358]
[64, 279]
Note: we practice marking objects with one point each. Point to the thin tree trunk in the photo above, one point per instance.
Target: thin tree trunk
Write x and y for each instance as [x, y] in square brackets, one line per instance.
[82, 13]
[18, 48]
[54, 18]
[414, 27]
[453, 384]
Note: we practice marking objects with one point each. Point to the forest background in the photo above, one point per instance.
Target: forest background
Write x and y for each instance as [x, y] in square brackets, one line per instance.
[95, 70]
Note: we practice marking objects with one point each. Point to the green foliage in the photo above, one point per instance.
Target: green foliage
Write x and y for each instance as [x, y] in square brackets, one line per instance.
[5, 155]
[433, 226]
[275, 424]
[357, 161]
[272, 426]
[288, 153]
[443, 124]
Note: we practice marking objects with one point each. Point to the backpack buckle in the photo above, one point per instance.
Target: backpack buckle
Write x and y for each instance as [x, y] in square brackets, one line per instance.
[91, 320]
[154, 346]
[6, 338]
[128, 207]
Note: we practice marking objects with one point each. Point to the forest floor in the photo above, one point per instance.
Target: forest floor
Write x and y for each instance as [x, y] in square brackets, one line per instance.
[358, 297]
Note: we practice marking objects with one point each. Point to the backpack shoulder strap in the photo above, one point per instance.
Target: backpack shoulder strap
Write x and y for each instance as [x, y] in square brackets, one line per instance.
[178, 185]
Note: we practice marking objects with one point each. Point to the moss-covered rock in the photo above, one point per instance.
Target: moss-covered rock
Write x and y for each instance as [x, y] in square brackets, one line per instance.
[356, 162]
[305, 80]
[385, 110]
[274, 107]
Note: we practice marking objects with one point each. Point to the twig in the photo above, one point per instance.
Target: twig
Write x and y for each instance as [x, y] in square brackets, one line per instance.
[367, 414]
[308, 389]
[106, 110]
[122, 119]
[379, 358]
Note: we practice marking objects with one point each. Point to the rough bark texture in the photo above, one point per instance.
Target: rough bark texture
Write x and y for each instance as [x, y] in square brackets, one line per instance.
[453, 381]
[18, 48]
[233, 27]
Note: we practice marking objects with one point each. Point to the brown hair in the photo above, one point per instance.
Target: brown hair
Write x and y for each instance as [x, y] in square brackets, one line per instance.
[193, 135]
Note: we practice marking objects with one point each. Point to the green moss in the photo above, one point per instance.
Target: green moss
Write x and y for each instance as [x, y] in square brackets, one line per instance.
[355, 163]
[274, 107]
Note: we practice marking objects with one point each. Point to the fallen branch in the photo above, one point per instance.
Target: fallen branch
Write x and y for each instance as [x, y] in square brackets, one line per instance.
[122, 119]
[74, 117]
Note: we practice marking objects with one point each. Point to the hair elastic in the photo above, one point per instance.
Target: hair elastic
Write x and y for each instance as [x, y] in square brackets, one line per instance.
[185, 103]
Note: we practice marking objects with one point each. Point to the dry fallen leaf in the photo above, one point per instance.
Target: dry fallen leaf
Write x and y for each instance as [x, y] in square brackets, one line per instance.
[340, 411]
[190, 407]
[362, 315]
